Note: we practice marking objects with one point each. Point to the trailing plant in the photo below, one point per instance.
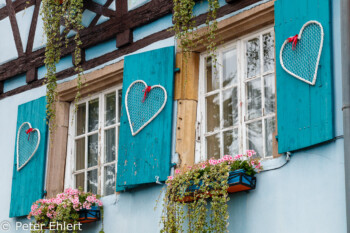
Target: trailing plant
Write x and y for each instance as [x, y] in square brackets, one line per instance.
[62, 210]
[54, 12]
[198, 195]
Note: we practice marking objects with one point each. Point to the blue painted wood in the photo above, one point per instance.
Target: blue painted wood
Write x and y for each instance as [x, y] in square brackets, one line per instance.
[28, 183]
[304, 112]
[147, 154]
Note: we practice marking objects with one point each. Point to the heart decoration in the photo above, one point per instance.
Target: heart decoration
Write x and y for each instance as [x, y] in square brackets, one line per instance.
[301, 59]
[143, 104]
[28, 140]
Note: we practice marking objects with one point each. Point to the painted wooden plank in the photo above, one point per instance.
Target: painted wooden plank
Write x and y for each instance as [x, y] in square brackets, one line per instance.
[147, 155]
[28, 183]
[305, 112]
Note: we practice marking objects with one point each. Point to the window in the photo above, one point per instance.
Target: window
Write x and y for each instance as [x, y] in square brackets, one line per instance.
[94, 137]
[237, 98]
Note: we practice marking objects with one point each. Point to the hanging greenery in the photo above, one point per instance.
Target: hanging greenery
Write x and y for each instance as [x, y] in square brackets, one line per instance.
[198, 196]
[54, 14]
[185, 27]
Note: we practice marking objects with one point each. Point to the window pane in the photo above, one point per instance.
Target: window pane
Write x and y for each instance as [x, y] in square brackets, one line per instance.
[109, 184]
[269, 52]
[93, 115]
[269, 81]
[211, 75]
[110, 109]
[254, 137]
[231, 142]
[119, 104]
[213, 113]
[81, 115]
[110, 145]
[253, 99]
[269, 130]
[230, 107]
[92, 150]
[213, 146]
[253, 57]
[92, 181]
[79, 181]
[80, 154]
[230, 68]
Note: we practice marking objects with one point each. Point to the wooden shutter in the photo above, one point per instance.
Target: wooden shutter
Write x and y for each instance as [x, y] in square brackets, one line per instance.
[147, 155]
[28, 183]
[304, 112]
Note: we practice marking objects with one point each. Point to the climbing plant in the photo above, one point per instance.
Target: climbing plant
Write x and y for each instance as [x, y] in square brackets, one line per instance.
[57, 14]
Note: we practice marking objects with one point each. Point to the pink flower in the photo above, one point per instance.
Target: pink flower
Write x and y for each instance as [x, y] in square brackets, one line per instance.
[170, 177]
[203, 165]
[177, 171]
[230, 158]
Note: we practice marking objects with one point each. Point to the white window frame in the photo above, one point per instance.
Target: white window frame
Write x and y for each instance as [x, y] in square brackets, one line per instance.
[240, 45]
[70, 166]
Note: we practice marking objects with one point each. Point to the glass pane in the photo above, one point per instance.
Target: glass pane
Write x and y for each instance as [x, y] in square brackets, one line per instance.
[211, 75]
[81, 115]
[253, 57]
[230, 107]
[92, 150]
[80, 154]
[254, 137]
[213, 113]
[269, 130]
[213, 146]
[231, 143]
[93, 115]
[230, 68]
[92, 181]
[119, 104]
[110, 109]
[79, 181]
[269, 52]
[253, 99]
[109, 185]
[110, 145]
[269, 81]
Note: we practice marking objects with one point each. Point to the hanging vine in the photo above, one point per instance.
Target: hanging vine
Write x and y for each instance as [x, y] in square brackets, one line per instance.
[54, 14]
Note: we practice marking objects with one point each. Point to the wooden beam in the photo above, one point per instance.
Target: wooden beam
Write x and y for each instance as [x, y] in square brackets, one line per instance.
[98, 9]
[32, 29]
[32, 75]
[14, 26]
[1, 87]
[98, 16]
[186, 81]
[124, 38]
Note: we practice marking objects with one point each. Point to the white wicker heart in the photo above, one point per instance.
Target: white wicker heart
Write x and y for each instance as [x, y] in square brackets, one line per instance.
[27, 144]
[302, 62]
[141, 111]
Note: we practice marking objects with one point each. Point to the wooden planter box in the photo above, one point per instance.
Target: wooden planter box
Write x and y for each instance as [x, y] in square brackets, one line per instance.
[238, 181]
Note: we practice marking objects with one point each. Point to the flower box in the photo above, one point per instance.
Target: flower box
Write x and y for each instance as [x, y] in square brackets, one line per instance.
[91, 215]
[238, 181]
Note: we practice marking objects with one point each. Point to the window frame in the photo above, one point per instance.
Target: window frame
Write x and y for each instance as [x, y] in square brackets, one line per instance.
[71, 172]
[240, 45]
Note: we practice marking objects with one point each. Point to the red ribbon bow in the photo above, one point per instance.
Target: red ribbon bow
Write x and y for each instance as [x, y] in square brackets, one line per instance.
[294, 40]
[28, 131]
[146, 90]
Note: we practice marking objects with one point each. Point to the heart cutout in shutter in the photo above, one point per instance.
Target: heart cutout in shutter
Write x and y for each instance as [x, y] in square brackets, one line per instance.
[302, 61]
[141, 113]
[27, 144]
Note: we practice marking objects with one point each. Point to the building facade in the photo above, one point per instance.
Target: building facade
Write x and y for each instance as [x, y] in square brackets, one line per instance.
[249, 102]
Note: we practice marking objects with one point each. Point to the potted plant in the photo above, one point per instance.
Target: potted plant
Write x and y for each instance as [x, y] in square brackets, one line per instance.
[189, 191]
[68, 208]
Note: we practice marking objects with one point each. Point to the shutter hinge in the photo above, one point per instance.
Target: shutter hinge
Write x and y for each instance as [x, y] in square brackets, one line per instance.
[198, 131]
[176, 70]
[276, 137]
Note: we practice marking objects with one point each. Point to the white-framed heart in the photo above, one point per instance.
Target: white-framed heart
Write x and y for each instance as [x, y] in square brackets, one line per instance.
[26, 145]
[302, 63]
[141, 111]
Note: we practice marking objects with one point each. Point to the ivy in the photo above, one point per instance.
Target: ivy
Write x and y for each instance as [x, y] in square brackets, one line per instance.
[55, 13]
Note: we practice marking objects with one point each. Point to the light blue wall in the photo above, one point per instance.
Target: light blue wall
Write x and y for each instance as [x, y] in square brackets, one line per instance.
[305, 196]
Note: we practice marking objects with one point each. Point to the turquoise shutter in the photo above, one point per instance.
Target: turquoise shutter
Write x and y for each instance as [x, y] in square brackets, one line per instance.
[304, 112]
[147, 154]
[28, 182]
